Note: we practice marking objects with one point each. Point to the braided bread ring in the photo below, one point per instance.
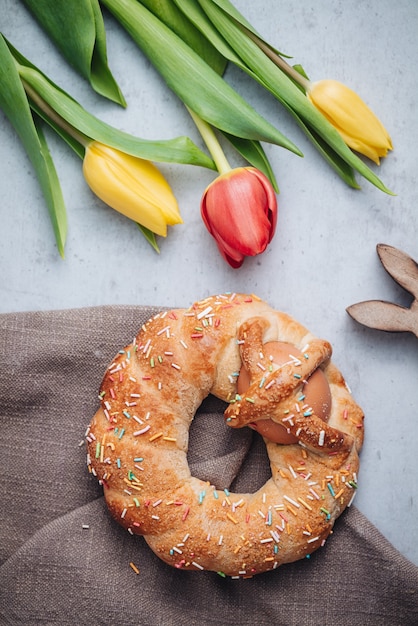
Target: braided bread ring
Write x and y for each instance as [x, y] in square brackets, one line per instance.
[137, 441]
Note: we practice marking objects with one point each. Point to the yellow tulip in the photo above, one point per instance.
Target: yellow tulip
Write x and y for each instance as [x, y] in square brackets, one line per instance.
[350, 115]
[132, 186]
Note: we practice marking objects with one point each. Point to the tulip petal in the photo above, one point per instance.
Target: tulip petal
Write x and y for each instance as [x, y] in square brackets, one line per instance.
[239, 210]
[354, 120]
[132, 186]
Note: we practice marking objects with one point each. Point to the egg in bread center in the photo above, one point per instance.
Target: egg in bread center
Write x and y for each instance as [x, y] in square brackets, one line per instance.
[315, 392]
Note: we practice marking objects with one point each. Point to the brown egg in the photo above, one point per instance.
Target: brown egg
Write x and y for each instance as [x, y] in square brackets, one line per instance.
[316, 391]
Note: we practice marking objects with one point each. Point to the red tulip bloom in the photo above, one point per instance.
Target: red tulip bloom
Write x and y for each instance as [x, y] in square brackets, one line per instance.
[239, 210]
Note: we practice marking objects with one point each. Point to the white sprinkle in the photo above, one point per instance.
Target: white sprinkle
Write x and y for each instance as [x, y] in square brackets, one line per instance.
[123, 513]
[204, 312]
[268, 540]
[292, 471]
[352, 498]
[164, 330]
[296, 504]
[142, 431]
[221, 538]
[183, 343]
[186, 536]
[261, 366]
[137, 419]
[157, 502]
[155, 517]
[275, 535]
[313, 539]
[85, 526]
[135, 395]
[177, 550]
[197, 565]
[270, 384]
[147, 345]
[321, 438]
[177, 367]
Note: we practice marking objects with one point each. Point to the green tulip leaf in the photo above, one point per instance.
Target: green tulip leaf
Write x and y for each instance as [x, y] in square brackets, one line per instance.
[13, 102]
[260, 67]
[61, 106]
[191, 78]
[180, 23]
[149, 236]
[77, 29]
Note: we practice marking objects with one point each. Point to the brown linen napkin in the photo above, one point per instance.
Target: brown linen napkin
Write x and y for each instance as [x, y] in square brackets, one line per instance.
[65, 561]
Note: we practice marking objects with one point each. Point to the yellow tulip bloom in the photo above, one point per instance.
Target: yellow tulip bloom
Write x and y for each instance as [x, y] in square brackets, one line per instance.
[132, 186]
[350, 115]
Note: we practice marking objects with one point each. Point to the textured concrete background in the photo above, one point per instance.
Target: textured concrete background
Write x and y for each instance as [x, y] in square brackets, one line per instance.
[323, 256]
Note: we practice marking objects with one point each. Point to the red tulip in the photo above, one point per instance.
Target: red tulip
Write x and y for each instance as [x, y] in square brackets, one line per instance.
[239, 210]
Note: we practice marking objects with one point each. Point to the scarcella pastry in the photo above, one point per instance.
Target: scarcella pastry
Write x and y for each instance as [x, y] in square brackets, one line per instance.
[278, 379]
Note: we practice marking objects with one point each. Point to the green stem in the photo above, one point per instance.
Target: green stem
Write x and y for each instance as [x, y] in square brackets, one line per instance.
[54, 117]
[212, 143]
[279, 61]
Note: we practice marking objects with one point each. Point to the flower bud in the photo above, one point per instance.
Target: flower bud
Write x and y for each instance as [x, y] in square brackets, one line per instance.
[132, 186]
[239, 210]
[348, 113]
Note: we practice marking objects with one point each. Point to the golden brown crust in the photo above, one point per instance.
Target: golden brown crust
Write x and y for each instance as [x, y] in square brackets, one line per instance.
[138, 439]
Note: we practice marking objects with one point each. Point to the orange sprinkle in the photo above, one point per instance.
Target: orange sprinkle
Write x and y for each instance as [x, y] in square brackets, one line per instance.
[340, 493]
[169, 439]
[156, 436]
[291, 509]
[134, 567]
[232, 518]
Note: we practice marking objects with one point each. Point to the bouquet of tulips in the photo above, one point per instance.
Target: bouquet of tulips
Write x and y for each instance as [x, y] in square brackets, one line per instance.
[190, 43]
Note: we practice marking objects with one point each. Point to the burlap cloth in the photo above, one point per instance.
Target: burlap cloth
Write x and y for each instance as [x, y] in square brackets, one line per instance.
[64, 561]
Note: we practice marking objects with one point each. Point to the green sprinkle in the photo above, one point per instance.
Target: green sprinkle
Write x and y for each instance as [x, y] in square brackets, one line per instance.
[226, 492]
[353, 484]
[136, 501]
[152, 361]
[221, 574]
[262, 381]
[215, 494]
[97, 449]
[297, 376]
[250, 400]
[118, 463]
[126, 414]
[122, 432]
[138, 459]
[160, 359]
